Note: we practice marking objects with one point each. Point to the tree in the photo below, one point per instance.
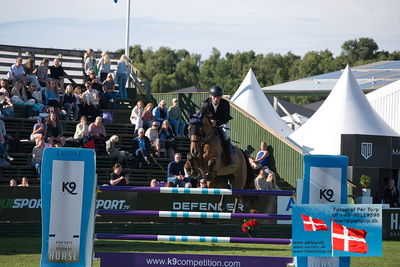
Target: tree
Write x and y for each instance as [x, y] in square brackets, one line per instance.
[359, 49]
[187, 73]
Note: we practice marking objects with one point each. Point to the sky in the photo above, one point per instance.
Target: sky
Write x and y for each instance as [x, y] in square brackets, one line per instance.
[263, 26]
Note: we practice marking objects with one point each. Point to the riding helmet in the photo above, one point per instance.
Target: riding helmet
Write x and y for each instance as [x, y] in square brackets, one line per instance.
[216, 91]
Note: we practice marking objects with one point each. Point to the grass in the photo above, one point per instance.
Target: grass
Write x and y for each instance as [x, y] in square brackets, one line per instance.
[17, 252]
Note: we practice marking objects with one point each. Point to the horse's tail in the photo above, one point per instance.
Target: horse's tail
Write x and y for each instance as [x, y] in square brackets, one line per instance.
[249, 200]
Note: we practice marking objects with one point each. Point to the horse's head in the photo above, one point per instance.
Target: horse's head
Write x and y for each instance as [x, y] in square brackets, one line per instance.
[199, 127]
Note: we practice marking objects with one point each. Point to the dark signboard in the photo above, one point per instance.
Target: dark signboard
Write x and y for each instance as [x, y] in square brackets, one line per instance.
[395, 152]
[391, 224]
[367, 150]
[24, 204]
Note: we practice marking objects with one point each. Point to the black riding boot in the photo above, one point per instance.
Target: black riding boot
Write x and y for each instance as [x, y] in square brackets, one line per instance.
[228, 149]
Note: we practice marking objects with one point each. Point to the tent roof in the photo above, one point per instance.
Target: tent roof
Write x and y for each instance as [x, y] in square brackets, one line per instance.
[250, 98]
[345, 111]
[369, 77]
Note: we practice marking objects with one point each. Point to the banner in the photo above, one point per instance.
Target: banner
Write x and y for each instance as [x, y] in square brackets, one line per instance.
[391, 224]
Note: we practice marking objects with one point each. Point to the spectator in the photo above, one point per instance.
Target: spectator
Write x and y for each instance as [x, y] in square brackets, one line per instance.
[263, 155]
[16, 72]
[137, 115]
[89, 63]
[29, 68]
[265, 180]
[82, 131]
[13, 182]
[57, 73]
[176, 172]
[104, 66]
[123, 72]
[188, 185]
[166, 137]
[96, 84]
[160, 112]
[148, 117]
[391, 194]
[90, 102]
[13, 143]
[152, 134]
[79, 98]
[70, 103]
[37, 154]
[115, 152]
[18, 93]
[117, 177]
[24, 182]
[3, 150]
[42, 72]
[52, 97]
[97, 131]
[203, 183]
[169, 184]
[109, 90]
[54, 131]
[175, 118]
[6, 105]
[37, 94]
[153, 183]
[255, 165]
[141, 147]
[38, 130]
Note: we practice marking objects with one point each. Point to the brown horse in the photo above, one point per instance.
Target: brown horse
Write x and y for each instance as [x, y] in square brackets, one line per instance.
[207, 155]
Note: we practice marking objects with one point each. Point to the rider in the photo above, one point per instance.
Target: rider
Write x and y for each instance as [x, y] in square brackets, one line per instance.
[218, 111]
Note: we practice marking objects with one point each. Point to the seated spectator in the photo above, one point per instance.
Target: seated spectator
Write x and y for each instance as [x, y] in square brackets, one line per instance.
[152, 134]
[18, 93]
[104, 66]
[160, 112]
[70, 104]
[37, 154]
[109, 92]
[255, 165]
[96, 84]
[13, 182]
[117, 177]
[391, 194]
[57, 73]
[265, 180]
[137, 115]
[167, 139]
[203, 183]
[29, 68]
[141, 147]
[16, 72]
[52, 97]
[97, 131]
[79, 98]
[148, 117]
[42, 72]
[38, 129]
[32, 94]
[188, 185]
[82, 131]
[176, 173]
[3, 150]
[11, 144]
[90, 100]
[54, 131]
[6, 105]
[175, 118]
[263, 155]
[24, 182]
[153, 183]
[115, 152]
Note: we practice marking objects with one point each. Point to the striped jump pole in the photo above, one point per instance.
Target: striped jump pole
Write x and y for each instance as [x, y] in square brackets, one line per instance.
[183, 238]
[199, 215]
[196, 191]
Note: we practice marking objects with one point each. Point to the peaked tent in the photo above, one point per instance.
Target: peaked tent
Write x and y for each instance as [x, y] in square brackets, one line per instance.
[345, 111]
[251, 98]
[386, 102]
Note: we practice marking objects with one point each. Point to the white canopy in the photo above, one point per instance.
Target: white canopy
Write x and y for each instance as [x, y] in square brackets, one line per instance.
[251, 98]
[345, 111]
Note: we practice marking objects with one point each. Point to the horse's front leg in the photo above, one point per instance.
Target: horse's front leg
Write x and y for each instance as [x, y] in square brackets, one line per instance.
[210, 169]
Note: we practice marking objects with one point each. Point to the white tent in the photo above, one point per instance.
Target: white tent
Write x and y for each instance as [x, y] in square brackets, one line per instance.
[251, 98]
[386, 101]
[345, 111]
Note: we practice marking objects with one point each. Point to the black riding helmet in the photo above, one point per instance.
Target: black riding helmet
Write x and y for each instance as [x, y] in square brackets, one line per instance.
[216, 91]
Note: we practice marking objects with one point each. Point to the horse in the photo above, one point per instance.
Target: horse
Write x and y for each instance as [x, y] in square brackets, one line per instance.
[207, 155]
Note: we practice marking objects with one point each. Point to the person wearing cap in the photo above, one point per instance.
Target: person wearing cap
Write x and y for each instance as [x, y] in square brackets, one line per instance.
[141, 147]
[175, 118]
[218, 110]
[160, 112]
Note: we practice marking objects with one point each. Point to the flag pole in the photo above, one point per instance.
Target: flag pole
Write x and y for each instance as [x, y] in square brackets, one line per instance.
[128, 11]
[331, 237]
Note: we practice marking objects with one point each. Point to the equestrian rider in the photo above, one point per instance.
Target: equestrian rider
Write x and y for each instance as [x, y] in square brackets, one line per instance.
[217, 110]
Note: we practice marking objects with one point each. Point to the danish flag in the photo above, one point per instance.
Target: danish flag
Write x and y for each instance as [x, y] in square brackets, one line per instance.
[312, 224]
[348, 239]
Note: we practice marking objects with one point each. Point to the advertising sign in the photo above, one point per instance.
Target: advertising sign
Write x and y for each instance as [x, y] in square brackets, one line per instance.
[337, 230]
[68, 186]
[391, 224]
